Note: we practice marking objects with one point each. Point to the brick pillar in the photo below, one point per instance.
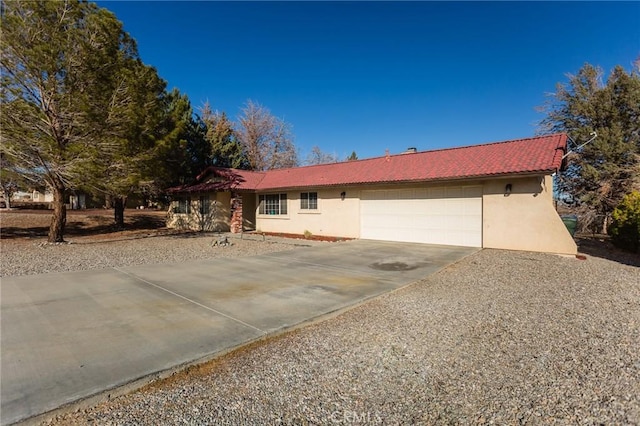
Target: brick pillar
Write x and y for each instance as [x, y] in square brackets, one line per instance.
[236, 213]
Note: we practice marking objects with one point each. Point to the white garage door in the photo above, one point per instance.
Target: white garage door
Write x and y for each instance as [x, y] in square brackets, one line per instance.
[446, 215]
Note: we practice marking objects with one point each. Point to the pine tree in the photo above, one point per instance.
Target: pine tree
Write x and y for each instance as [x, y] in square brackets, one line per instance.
[183, 152]
[123, 161]
[599, 175]
[226, 150]
[60, 65]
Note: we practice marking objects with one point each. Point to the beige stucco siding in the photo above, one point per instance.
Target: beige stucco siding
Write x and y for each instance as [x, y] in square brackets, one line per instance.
[525, 219]
[215, 218]
[334, 216]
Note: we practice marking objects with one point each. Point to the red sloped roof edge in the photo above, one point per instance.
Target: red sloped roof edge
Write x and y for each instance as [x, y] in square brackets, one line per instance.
[561, 150]
[510, 157]
[236, 179]
[453, 164]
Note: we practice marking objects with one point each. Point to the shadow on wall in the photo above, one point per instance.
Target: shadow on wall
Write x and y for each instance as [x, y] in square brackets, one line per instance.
[213, 217]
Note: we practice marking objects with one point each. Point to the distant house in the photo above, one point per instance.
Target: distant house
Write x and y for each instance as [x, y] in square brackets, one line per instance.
[39, 197]
[497, 195]
[77, 200]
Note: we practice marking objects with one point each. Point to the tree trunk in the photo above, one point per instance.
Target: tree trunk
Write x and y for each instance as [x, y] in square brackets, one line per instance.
[604, 225]
[59, 218]
[118, 211]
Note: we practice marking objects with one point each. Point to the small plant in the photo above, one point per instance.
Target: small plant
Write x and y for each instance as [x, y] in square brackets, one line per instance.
[625, 229]
[307, 234]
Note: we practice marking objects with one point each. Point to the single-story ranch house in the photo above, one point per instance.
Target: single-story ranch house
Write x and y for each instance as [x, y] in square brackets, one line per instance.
[496, 195]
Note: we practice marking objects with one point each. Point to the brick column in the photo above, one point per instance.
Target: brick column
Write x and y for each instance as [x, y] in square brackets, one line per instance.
[236, 213]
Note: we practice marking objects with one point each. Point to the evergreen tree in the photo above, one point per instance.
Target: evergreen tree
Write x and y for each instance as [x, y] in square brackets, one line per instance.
[183, 152]
[10, 179]
[600, 174]
[60, 66]
[123, 157]
[226, 150]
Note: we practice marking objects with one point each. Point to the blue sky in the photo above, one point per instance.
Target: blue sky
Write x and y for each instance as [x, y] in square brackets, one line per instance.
[371, 76]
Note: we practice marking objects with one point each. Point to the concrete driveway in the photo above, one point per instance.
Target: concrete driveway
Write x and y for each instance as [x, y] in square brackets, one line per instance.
[68, 336]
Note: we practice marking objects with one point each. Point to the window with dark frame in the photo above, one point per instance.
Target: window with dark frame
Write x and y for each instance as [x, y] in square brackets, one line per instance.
[205, 205]
[308, 201]
[183, 206]
[273, 204]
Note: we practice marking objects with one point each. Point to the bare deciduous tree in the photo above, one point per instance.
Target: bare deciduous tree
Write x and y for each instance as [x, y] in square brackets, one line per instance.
[266, 140]
[317, 156]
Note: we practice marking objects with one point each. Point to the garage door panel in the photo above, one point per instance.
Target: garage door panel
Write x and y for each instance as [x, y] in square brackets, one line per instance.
[472, 223]
[445, 215]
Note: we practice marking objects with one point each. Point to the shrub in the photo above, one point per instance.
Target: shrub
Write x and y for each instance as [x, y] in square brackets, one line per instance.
[625, 229]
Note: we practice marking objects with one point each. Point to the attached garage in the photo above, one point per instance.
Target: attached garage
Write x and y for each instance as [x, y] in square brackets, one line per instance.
[450, 215]
[496, 195]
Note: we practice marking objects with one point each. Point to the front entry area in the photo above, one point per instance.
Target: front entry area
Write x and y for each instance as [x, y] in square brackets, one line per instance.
[449, 215]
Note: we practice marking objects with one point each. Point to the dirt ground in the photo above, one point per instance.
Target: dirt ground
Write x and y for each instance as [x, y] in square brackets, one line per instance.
[602, 247]
[94, 224]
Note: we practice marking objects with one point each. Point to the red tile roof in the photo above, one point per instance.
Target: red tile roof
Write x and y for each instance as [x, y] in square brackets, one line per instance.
[541, 154]
[224, 179]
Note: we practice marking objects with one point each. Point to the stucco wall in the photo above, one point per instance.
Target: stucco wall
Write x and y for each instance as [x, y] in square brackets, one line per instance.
[334, 217]
[525, 219]
[217, 219]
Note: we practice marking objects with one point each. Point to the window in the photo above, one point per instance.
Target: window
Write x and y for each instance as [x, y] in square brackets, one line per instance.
[309, 201]
[273, 204]
[183, 205]
[205, 205]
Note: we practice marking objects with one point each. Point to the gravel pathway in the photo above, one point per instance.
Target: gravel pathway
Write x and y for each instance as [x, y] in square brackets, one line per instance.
[501, 337]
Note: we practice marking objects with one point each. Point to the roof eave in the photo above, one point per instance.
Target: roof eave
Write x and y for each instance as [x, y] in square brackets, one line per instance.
[527, 173]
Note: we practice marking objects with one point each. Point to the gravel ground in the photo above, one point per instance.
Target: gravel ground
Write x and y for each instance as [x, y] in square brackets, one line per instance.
[27, 257]
[500, 337]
